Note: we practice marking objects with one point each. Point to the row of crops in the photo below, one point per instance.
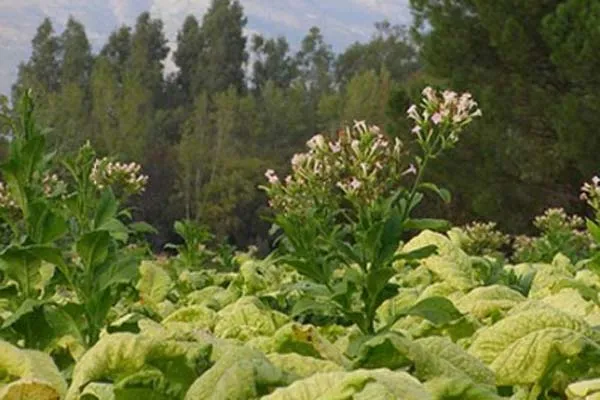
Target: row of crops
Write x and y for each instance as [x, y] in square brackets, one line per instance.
[360, 299]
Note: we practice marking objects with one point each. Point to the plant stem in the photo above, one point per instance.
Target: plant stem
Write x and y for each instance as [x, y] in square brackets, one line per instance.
[416, 184]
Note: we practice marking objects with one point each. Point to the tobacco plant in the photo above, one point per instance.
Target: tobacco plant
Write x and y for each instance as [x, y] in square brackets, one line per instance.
[349, 202]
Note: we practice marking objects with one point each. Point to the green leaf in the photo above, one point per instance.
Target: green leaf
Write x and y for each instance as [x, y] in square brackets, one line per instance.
[438, 310]
[427, 223]
[593, 229]
[307, 304]
[27, 307]
[29, 374]
[154, 284]
[107, 209]
[45, 225]
[444, 194]
[418, 254]
[143, 227]
[93, 248]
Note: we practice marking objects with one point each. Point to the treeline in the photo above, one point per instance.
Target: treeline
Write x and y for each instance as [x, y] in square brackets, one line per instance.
[238, 105]
[206, 133]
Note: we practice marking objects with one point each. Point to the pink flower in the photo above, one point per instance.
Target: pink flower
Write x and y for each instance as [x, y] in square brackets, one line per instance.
[436, 118]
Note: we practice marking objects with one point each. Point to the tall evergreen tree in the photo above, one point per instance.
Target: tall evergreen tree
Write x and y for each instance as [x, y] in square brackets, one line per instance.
[148, 51]
[77, 54]
[117, 50]
[223, 47]
[272, 62]
[187, 57]
[315, 61]
[42, 71]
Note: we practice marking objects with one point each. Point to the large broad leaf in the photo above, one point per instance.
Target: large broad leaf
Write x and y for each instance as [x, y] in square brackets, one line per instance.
[450, 264]
[584, 390]
[93, 248]
[461, 389]
[429, 358]
[445, 349]
[24, 265]
[485, 301]
[66, 330]
[29, 374]
[302, 366]
[248, 318]
[45, 225]
[98, 391]
[121, 355]
[240, 373]
[26, 307]
[303, 340]
[154, 284]
[106, 210]
[358, 385]
[521, 348]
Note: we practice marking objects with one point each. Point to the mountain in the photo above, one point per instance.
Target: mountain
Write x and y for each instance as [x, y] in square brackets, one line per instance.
[341, 21]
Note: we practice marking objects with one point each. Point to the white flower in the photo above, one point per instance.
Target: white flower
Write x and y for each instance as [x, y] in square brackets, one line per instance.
[335, 147]
[411, 170]
[436, 118]
[430, 94]
[355, 183]
[413, 113]
[355, 145]
[271, 176]
[298, 160]
[316, 142]
[360, 126]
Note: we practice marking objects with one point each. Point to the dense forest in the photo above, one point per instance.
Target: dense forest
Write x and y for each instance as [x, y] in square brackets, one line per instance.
[237, 105]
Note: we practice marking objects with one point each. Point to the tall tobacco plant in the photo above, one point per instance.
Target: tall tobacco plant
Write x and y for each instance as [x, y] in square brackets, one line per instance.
[68, 256]
[348, 202]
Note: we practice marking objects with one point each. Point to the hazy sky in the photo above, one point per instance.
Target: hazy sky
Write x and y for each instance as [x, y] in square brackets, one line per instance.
[342, 21]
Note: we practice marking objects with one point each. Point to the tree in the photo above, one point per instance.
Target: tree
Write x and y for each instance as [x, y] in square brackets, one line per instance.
[42, 72]
[77, 56]
[223, 53]
[148, 51]
[528, 65]
[117, 51]
[187, 56]
[390, 49]
[315, 61]
[365, 97]
[273, 62]
[73, 103]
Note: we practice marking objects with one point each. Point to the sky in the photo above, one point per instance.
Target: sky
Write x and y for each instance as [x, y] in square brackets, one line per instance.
[341, 21]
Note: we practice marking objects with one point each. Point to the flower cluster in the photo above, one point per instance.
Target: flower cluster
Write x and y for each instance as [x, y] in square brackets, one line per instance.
[7, 202]
[483, 238]
[106, 173]
[556, 219]
[559, 233]
[590, 192]
[360, 165]
[52, 185]
[441, 117]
